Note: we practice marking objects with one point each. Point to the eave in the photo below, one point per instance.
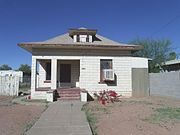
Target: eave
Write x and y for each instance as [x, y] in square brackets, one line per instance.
[29, 46]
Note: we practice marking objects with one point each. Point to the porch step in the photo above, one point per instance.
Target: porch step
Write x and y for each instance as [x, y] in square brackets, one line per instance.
[69, 98]
[69, 93]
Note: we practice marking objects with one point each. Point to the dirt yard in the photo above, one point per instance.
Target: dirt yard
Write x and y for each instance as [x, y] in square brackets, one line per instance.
[16, 118]
[135, 116]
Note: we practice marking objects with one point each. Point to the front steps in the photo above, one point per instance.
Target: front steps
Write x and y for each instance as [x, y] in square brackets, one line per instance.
[68, 93]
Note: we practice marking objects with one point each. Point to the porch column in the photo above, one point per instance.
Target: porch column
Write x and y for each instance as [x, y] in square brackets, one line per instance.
[33, 74]
[53, 73]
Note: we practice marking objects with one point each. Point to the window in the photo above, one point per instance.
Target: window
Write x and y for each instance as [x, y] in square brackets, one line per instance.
[78, 38]
[82, 38]
[87, 38]
[48, 71]
[104, 64]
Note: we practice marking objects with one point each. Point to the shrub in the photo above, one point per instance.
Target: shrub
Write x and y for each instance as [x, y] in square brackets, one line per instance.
[107, 96]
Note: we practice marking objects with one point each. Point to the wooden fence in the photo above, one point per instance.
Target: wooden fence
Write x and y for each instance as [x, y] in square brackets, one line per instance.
[140, 82]
[9, 85]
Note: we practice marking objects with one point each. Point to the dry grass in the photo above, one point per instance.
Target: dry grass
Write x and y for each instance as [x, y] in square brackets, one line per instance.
[137, 116]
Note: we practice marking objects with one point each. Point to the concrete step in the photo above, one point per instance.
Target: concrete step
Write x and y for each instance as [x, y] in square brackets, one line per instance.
[69, 98]
[68, 92]
[69, 95]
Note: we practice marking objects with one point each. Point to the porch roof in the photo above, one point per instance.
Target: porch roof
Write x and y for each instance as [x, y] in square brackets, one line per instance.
[66, 41]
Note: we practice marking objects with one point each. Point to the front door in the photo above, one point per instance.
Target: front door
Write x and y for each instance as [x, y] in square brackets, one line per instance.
[65, 74]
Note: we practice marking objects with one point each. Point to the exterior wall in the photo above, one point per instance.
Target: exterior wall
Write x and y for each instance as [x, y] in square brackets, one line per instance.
[90, 68]
[138, 62]
[90, 75]
[38, 94]
[165, 84]
[33, 76]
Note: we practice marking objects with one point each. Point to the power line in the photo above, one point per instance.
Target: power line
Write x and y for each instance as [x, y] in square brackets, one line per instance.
[165, 25]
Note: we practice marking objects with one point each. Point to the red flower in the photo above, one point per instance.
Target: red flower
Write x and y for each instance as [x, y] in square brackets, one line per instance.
[103, 102]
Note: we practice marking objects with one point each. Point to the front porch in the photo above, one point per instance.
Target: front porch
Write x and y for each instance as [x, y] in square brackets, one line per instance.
[63, 93]
[55, 75]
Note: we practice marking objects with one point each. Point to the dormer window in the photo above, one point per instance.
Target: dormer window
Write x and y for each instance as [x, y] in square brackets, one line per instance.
[82, 35]
[78, 38]
[82, 38]
[87, 38]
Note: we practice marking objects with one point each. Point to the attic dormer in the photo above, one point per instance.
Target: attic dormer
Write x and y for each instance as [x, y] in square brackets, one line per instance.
[82, 35]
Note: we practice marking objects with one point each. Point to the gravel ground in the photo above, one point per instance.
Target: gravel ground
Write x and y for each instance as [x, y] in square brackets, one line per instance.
[129, 117]
[16, 118]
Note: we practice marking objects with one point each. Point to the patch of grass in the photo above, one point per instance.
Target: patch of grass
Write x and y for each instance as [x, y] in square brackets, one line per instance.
[165, 115]
[35, 100]
[139, 102]
[24, 88]
[93, 112]
[91, 118]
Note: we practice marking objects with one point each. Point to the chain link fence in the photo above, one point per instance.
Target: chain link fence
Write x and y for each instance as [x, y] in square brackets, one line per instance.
[25, 84]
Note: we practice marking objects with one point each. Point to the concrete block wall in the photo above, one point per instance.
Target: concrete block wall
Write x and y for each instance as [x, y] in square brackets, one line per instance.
[165, 84]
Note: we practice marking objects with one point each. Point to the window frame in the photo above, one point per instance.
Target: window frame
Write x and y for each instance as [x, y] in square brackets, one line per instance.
[110, 62]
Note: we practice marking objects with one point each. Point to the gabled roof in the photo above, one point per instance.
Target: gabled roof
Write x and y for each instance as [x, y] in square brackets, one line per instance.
[66, 41]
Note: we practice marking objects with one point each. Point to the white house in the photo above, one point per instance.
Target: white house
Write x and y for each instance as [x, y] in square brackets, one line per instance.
[82, 59]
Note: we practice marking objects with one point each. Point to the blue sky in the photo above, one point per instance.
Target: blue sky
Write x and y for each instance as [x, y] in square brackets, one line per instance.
[119, 20]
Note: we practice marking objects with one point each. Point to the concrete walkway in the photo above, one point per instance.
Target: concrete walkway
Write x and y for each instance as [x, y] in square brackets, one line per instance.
[62, 118]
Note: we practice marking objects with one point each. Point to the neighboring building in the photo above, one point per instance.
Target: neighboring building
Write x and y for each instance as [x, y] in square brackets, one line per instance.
[81, 58]
[172, 65]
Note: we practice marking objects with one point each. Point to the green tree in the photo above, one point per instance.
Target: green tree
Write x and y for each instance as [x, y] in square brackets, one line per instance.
[26, 69]
[157, 50]
[172, 56]
[5, 67]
